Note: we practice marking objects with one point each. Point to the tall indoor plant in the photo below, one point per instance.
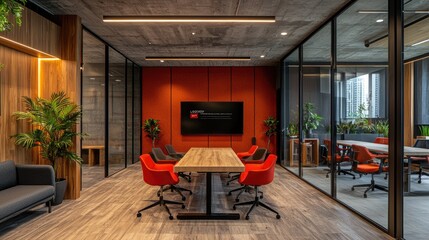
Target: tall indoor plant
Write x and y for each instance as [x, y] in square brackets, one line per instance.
[312, 120]
[54, 129]
[271, 125]
[152, 129]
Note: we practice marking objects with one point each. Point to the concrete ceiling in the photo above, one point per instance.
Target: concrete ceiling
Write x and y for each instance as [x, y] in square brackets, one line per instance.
[296, 17]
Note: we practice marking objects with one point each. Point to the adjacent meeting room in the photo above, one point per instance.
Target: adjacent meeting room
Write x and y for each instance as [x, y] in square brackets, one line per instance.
[240, 119]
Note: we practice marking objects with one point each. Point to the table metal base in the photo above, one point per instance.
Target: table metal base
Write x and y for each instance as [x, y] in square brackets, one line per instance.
[208, 215]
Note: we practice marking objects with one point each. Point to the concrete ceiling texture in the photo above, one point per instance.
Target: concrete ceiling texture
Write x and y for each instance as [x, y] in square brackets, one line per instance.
[139, 40]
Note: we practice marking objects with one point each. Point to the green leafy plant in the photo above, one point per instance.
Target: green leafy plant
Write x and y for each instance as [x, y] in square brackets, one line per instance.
[424, 130]
[363, 124]
[271, 124]
[292, 130]
[54, 122]
[312, 120]
[8, 7]
[382, 127]
[152, 129]
[346, 127]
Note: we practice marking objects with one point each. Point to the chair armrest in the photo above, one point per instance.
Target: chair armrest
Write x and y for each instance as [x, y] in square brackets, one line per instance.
[35, 175]
[167, 161]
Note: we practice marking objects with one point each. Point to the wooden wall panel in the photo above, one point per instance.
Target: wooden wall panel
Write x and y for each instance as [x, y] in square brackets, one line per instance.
[36, 32]
[18, 78]
[157, 103]
[243, 89]
[409, 104]
[189, 84]
[220, 91]
[265, 104]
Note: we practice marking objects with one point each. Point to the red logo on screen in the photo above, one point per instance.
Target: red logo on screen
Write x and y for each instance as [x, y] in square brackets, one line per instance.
[194, 116]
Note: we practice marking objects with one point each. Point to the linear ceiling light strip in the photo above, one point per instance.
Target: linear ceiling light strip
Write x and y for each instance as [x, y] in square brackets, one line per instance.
[190, 19]
[198, 58]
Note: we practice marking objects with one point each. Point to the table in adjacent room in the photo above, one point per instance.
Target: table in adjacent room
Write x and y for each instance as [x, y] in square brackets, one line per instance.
[209, 161]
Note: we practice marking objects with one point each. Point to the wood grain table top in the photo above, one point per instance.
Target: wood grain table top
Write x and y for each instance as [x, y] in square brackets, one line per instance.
[383, 148]
[210, 160]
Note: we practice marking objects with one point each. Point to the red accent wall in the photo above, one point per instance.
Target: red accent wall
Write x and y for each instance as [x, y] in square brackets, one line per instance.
[165, 87]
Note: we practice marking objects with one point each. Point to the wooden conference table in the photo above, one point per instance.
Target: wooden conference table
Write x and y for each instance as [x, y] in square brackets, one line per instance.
[209, 160]
[384, 149]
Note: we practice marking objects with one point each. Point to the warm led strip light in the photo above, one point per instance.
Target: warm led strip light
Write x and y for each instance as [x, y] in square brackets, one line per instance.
[11, 43]
[190, 19]
[418, 43]
[198, 58]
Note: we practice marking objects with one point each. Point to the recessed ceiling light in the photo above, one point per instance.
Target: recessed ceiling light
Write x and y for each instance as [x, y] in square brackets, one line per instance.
[117, 80]
[262, 56]
[186, 58]
[190, 19]
[193, 33]
[379, 20]
[92, 78]
[111, 75]
[150, 43]
[161, 60]
[102, 84]
[201, 53]
[283, 33]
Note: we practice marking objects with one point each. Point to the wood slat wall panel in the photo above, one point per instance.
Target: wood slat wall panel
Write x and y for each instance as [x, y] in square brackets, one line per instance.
[409, 104]
[17, 79]
[36, 32]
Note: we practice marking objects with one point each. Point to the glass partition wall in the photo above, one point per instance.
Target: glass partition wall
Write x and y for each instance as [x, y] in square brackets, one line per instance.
[316, 108]
[290, 103]
[111, 105]
[416, 118]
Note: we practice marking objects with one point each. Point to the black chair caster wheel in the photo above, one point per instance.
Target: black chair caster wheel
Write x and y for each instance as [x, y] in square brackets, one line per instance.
[364, 195]
[190, 192]
[183, 206]
[353, 188]
[183, 198]
[139, 215]
[247, 217]
[227, 183]
[234, 207]
[327, 176]
[420, 181]
[237, 200]
[278, 216]
[170, 217]
[354, 177]
[229, 194]
[262, 196]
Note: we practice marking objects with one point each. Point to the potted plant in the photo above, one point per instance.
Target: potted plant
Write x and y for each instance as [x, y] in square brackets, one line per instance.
[54, 129]
[312, 120]
[424, 132]
[152, 129]
[292, 130]
[271, 124]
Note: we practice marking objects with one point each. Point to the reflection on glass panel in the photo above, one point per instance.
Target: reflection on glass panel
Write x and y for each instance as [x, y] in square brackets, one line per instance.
[317, 108]
[93, 108]
[361, 105]
[116, 98]
[416, 126]
[291, 112]
[129, 155]
[137, 113]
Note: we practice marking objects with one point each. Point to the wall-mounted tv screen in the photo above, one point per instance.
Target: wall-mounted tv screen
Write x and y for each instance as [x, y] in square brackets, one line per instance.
[211, 117]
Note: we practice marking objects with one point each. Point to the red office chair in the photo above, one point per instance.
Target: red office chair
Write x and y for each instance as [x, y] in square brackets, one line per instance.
[158, 175]
[249, 153]
[257, 175]
[382, 140]
[340, 157]
[364, 164]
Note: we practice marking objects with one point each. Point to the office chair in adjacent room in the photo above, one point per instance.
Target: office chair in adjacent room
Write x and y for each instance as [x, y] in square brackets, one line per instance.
[422, 161]
[257, 175]
[363, 163]
[340, 157]
[382, 140]
[158, 175]
[172, 152]
[160, 157]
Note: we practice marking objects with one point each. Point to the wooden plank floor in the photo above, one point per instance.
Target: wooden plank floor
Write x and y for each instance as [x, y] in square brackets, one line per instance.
[107, 210]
